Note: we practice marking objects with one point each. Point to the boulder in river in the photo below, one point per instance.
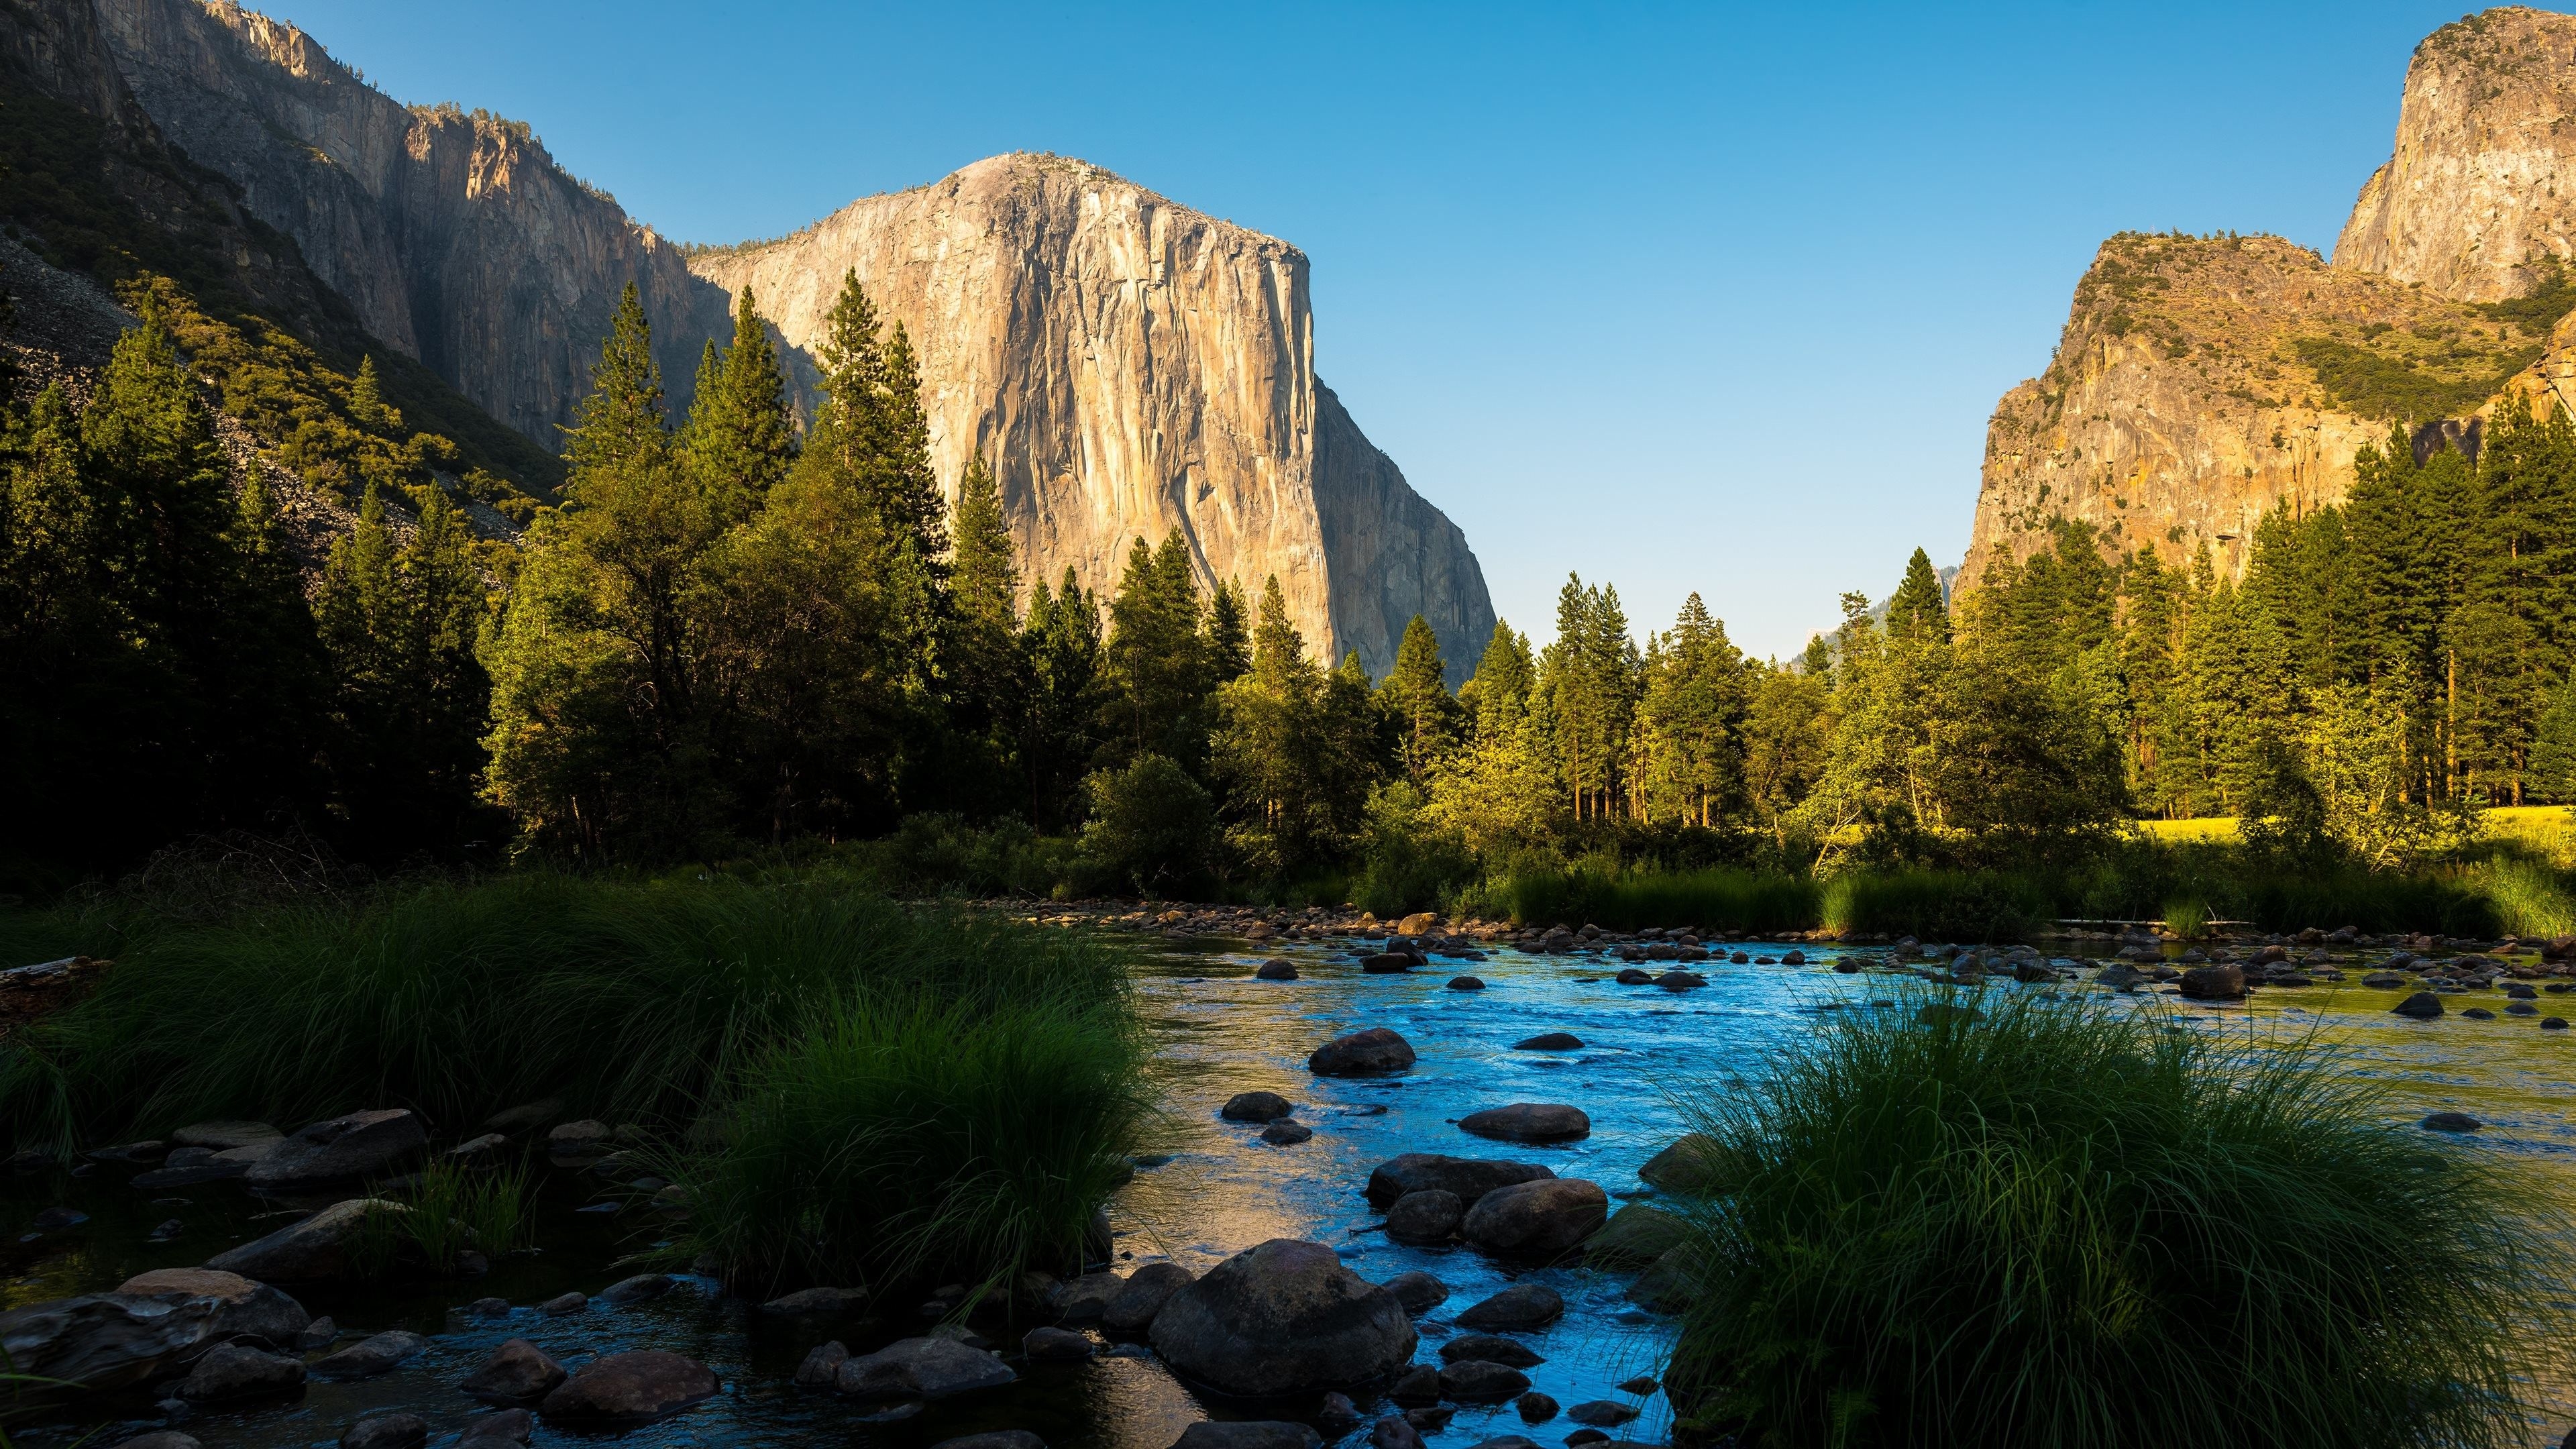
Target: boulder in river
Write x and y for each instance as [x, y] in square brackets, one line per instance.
[1466, 983]
[518, 1372]
[921, 1368]
[370, 1356]
[1085, 1298]
[1255, 1107]
[1247, 1434]
[1602, 1413]
[1387, 963]
[1636, 1235]
[1529, 1122]
[1492, 1348]
[340, 1149]
[1277, 970]
[246, 1307]
[1286, 1134]
[817, 1302]
[107, 1340]
[234, 1372]
[1685, 1167]
[1418, 1291]
[635, 1289]
[1479, 1381]
[2453, 1122]
[1373, 1052]
[2423, 1006]
[160, 1439]
[1535, 1407]
[1055, 1345]
[1286, 1317]
[1394, 1432]
[626, 1389]
[823, 1362]
[1518, 1307]
[1147, 1290]
[304, 1252]
[994, 1439]
[2224, 981]
[386, 1431]
[1469, 1177]
[508, 1426]
[1635, 976]
[1545, 1219]
[1426, 1217]
[1549, 1041]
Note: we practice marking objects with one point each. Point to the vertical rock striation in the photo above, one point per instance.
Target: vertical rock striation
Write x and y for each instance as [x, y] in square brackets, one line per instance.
[1132, 368]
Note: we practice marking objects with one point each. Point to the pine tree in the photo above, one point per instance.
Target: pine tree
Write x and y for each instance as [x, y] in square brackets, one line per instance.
[1693, 712]
[1158, 657]
[620, 427]
[1919, 603]
[739, 438]
[366, 401]
[1416, 698]
[1062, 652]
[1229, 638]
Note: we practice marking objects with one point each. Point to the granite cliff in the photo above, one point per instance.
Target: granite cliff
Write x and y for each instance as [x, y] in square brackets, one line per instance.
[1132, 368]
[1129, 366]
[2202, 381]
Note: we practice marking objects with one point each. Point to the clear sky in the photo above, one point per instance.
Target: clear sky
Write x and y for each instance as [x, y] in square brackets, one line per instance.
[1710, 297]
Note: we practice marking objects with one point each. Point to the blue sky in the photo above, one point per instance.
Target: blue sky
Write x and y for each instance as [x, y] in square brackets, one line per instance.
[1710, 298]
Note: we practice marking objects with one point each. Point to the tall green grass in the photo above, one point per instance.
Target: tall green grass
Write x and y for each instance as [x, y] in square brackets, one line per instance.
[855, 1086]
[1715, 900]
[2059, 1224]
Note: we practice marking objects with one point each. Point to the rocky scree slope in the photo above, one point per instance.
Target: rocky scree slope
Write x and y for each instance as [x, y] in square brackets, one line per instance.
[2202, 381]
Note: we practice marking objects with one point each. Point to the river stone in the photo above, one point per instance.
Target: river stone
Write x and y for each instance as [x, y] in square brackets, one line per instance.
[477, 1146]
[1686, 1167]
[630, 1388]
[1477, 1381]
[1529, 1122]
[1374, 1052]
[1506, 1441]
[1549, 1041]
[820, 1365]
[160, 1439]
[1492, 1348]
[1277, 971]
[1147, 1290]
[1426, 1217]
[107, 1340]
[305, 1252]
[1085, 1298]
[518, 1372]
[1466, 983]
[1601, 1413]
[1678, 980]
[358, 1145]
[1520, 1306]
[2453, 1122]
[994, 1439]
[1543, 1219]
[320, 1333]
[1636, 1235]
[1255, 1107]
[1394, 1432]
[1583, 1438]
[2224, 982]
[1468, 1177]
[1635, 976]
[1055, 1345]
[817, 1302]
[387, 1431]
[2423, 1006]
[635, 1289]
[509, 1426]
[247, 1307]
[233, 1371]
[1287, 1134]
[1286, 1317]
[1418, 1291]
[370, 1356]
[1642, 1384]
[214, 1169]
[1419, 1384]
[1247, 1434]
[1338, 1413]
[1535, 1407]
[926, 1368]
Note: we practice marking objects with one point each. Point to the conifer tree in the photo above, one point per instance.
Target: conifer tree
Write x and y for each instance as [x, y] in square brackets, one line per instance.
[1061, 646]
[1229, 640]
[366, 401]
[738, 438]
[620, 426]
[1416, 698]
[1918, 603]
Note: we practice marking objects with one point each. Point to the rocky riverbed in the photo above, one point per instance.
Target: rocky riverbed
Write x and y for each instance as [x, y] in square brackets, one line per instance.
[1439, 1296]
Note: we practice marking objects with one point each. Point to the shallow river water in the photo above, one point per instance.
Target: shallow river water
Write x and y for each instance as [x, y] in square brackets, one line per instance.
[1220, 1191]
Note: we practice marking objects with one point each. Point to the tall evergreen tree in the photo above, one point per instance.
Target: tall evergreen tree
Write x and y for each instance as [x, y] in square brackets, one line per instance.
[1919, 603]
[1416, 698]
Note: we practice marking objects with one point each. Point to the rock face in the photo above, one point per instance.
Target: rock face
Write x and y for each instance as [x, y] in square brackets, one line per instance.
[2470, 203]
[1283, 1318]
[2204, 381]
[304, 1252]
[1132, 368]
[1128, 366]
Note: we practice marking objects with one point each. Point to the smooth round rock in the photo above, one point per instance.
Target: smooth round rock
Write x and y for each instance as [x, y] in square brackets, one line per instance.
[1424, 1218]
[1147, 1290]
[1520, 1306]
[1373, 1052]
[233, 1372]
[1529, 1122]
[1286, 1134]
[518, 1372]
[630, 1388]
[1469, 1177]
[1418, 1291]
[1535, 1407]
[2423, 1006]
[508, 1426]
[1055, 1345]
[2452, 1122]
[1277, 971]
[1549, 1041]
[1466, 983]
[1492, 1348]
[1286, 1317]
[1247, 1434]
[387, 1431]
[994, 1439]
[247, 1307]
[1479, 1381]
[1544, 1219]
[923, 1368]
[1602, 1413]
[370, 1356]
[339, 1149]
[1255, 1107]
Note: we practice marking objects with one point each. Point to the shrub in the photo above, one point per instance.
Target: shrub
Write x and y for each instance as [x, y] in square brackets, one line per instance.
[1976, 1227]
[1152, 826]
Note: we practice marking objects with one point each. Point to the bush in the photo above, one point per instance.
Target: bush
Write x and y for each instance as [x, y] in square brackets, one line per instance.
[1408, 865]
[1979, 1227]
[1152, 826]
[1714, 900]
[1937, 905]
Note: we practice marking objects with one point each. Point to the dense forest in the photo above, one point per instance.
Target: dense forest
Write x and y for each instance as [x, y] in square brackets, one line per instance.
[738, 630]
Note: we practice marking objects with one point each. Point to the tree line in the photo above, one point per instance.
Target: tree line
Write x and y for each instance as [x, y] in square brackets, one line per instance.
[738, 628]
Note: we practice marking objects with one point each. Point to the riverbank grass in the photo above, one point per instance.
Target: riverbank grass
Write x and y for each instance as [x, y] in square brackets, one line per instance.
[2045, 1223]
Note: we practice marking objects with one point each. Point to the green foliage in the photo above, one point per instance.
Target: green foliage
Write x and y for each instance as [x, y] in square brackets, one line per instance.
[1152, 826]
[448, 1209]
[1407, 864]
[1972, 1230]
[1296, 750]
[2373, 384]
[1713, 900]
[2186, 920]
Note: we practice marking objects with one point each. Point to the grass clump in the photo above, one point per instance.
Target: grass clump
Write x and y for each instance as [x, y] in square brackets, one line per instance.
[448, 1209]
[2186, 920]
[2050, 1223]
[1715, 900]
